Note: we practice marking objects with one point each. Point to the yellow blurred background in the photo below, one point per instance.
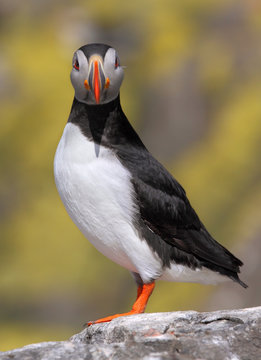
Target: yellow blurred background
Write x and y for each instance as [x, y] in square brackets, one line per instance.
[192, 90]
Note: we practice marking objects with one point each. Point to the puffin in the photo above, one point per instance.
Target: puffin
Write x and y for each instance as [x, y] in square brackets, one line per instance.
[120, 197]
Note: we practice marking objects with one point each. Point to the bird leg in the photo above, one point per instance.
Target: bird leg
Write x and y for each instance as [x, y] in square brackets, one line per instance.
[139, 291]
[143, 293]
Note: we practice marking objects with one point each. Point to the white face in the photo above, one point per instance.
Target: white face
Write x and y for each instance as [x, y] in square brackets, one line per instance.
[98, 80]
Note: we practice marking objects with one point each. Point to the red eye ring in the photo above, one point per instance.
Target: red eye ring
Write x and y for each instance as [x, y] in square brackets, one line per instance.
[76, 65]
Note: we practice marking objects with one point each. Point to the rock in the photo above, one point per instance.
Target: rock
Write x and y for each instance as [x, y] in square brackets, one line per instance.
[219, 335]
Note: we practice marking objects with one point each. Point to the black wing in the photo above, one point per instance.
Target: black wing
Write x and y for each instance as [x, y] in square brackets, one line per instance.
[166, 211]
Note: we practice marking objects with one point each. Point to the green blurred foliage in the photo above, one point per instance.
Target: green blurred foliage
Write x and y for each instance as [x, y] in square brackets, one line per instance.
[52, 280]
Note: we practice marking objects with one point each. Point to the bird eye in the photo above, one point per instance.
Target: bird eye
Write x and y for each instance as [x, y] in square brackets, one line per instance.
[76, 64]
[117, 62]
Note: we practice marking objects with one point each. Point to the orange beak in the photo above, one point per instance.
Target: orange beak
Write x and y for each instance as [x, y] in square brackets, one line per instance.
[96, 82]
[96, 78]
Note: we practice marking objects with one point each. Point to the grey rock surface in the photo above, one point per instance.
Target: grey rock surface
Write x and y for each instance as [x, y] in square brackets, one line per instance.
[219, 335]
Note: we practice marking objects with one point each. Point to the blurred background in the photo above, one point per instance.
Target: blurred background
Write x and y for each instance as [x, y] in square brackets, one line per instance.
[192, 90]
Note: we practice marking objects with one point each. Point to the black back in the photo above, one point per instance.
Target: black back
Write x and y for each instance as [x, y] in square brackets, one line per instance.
[166, 219]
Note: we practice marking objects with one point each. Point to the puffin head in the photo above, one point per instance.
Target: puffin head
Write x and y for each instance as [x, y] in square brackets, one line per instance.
[96, 74]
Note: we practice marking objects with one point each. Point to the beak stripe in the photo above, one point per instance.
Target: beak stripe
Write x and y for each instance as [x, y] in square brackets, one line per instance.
[101, 74]
[96, 81]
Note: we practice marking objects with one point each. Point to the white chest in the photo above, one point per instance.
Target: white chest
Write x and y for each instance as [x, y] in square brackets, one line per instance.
[96, 191]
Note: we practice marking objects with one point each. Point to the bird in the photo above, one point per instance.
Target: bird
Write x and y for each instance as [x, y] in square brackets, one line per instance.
[120, 197]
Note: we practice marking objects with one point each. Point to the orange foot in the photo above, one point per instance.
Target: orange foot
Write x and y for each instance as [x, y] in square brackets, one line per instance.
[139, 306]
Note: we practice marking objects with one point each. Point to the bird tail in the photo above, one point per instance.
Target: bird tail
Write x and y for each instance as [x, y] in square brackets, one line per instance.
[235, 278]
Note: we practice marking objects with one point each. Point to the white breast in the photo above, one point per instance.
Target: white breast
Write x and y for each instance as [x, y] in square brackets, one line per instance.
[97, 193]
